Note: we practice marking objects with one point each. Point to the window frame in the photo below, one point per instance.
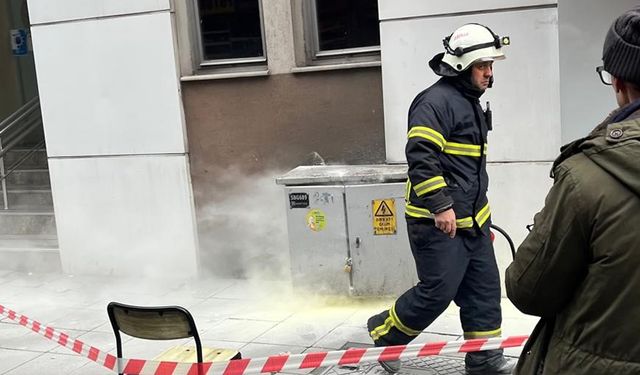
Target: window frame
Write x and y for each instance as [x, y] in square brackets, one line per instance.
[202, 63]
[312, 40]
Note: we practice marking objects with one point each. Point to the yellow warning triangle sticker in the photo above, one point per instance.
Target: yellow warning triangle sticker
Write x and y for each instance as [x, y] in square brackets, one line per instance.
[383, 210]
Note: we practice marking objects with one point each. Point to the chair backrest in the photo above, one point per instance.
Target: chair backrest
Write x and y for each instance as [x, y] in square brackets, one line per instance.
[152, 323]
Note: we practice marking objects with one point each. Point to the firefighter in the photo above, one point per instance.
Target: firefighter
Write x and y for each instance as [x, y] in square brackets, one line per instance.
[447, 210]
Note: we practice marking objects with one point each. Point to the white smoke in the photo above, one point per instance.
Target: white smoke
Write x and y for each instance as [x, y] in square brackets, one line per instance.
[243, 231]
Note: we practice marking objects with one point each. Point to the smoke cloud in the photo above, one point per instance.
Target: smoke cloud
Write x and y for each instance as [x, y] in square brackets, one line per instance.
[243, 229]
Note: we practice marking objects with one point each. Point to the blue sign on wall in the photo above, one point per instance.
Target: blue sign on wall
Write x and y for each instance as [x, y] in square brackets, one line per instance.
[19, 42]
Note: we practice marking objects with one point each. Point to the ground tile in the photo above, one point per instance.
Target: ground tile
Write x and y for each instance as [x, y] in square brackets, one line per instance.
[81, 319]
[50, 364]
[106, 342]
[214, 310]
[297, 332]
[259, 290]
[17, 337]
[32, 280]
[14, 358]
[255, 350]
[237, 330]
[340, 335]
[202, 288]
[91, 368]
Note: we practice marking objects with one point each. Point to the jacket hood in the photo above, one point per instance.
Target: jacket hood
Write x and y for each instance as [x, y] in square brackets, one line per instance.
[440, 68]
[614, 146]
[461, 80]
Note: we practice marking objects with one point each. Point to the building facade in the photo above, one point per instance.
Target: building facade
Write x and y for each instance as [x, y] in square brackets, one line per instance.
[166, 121]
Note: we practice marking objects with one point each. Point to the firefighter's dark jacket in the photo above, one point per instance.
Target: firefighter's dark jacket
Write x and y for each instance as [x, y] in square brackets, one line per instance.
[446, 152]
[579, 267]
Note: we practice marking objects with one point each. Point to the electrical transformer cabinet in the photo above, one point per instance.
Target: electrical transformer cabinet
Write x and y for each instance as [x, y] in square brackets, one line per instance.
[347, 232]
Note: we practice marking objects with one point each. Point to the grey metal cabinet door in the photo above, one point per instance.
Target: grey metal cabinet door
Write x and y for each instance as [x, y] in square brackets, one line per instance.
[382, 263]
[316, 222]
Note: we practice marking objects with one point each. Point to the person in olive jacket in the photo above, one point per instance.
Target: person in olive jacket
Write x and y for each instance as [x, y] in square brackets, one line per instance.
[579, 267]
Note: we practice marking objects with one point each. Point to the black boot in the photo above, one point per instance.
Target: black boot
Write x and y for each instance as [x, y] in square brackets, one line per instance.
[489, 362]
[377, 321]
[391, 367]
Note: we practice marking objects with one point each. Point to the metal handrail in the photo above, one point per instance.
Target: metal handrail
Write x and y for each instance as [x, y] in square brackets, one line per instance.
[29, 115]
[22, 159]
[13, 130]
[19, 114]
[33, 125]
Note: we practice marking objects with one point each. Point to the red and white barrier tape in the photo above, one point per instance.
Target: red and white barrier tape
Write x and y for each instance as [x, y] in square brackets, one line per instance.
[94, 354]
[272, 364]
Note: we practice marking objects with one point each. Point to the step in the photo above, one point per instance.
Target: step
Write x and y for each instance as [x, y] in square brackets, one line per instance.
[35, 253]
[28, 178]
[29, 199]
[32, 222]
[32, 139]
[42, 242]
[37, 160]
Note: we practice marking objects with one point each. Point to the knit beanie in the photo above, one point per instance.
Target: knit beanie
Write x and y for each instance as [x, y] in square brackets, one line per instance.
[621, 52]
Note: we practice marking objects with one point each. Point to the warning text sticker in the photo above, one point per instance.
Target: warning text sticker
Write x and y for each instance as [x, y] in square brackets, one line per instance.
[384, 216]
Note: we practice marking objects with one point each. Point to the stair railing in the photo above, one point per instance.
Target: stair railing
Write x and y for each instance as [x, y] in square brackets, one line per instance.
[13, 130]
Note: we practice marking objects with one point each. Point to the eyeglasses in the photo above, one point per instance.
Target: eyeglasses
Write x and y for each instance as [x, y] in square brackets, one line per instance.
[605, 76]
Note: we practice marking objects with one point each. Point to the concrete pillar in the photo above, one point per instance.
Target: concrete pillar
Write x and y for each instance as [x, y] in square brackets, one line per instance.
[115, 134]
[583, 25]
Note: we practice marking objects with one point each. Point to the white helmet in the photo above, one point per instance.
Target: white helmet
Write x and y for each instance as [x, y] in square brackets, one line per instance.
[472, 43]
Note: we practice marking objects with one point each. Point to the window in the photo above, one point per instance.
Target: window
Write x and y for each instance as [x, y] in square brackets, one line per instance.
[342, 28]
[230, 32]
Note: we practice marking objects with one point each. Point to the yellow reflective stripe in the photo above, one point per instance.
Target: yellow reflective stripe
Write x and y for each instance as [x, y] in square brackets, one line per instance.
[483, 334]
[392, 321]
[465, 222]
[466, 146]
[428, 134]
[417, 212]
[431, 184]
[483, 215]
[463, 149]
[407, 193]
[381, 330]
[431, 131]
[462, 153]
[401, 327]
[486, 147]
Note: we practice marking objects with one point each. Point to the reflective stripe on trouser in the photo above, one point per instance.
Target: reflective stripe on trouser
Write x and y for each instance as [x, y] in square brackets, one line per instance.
[387, 322]
[462, 269]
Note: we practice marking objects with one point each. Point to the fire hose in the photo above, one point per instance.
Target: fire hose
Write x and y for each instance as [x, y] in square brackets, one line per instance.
[505, 235]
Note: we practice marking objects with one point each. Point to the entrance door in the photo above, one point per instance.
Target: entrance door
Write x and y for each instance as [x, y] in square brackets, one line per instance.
[17, 69]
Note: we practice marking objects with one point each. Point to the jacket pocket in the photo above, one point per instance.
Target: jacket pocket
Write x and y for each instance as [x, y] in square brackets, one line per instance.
[455, 182]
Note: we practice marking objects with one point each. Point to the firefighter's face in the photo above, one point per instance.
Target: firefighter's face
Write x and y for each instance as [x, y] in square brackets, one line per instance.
[481, 74]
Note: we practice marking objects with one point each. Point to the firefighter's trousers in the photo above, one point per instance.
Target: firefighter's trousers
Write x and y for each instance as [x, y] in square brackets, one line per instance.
[461, 269]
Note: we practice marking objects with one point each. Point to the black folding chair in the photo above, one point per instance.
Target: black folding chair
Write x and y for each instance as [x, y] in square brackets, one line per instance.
[162, 323]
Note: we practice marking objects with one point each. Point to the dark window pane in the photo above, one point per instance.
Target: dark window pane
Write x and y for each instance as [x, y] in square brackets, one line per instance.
[347, 24]
[230, 29]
